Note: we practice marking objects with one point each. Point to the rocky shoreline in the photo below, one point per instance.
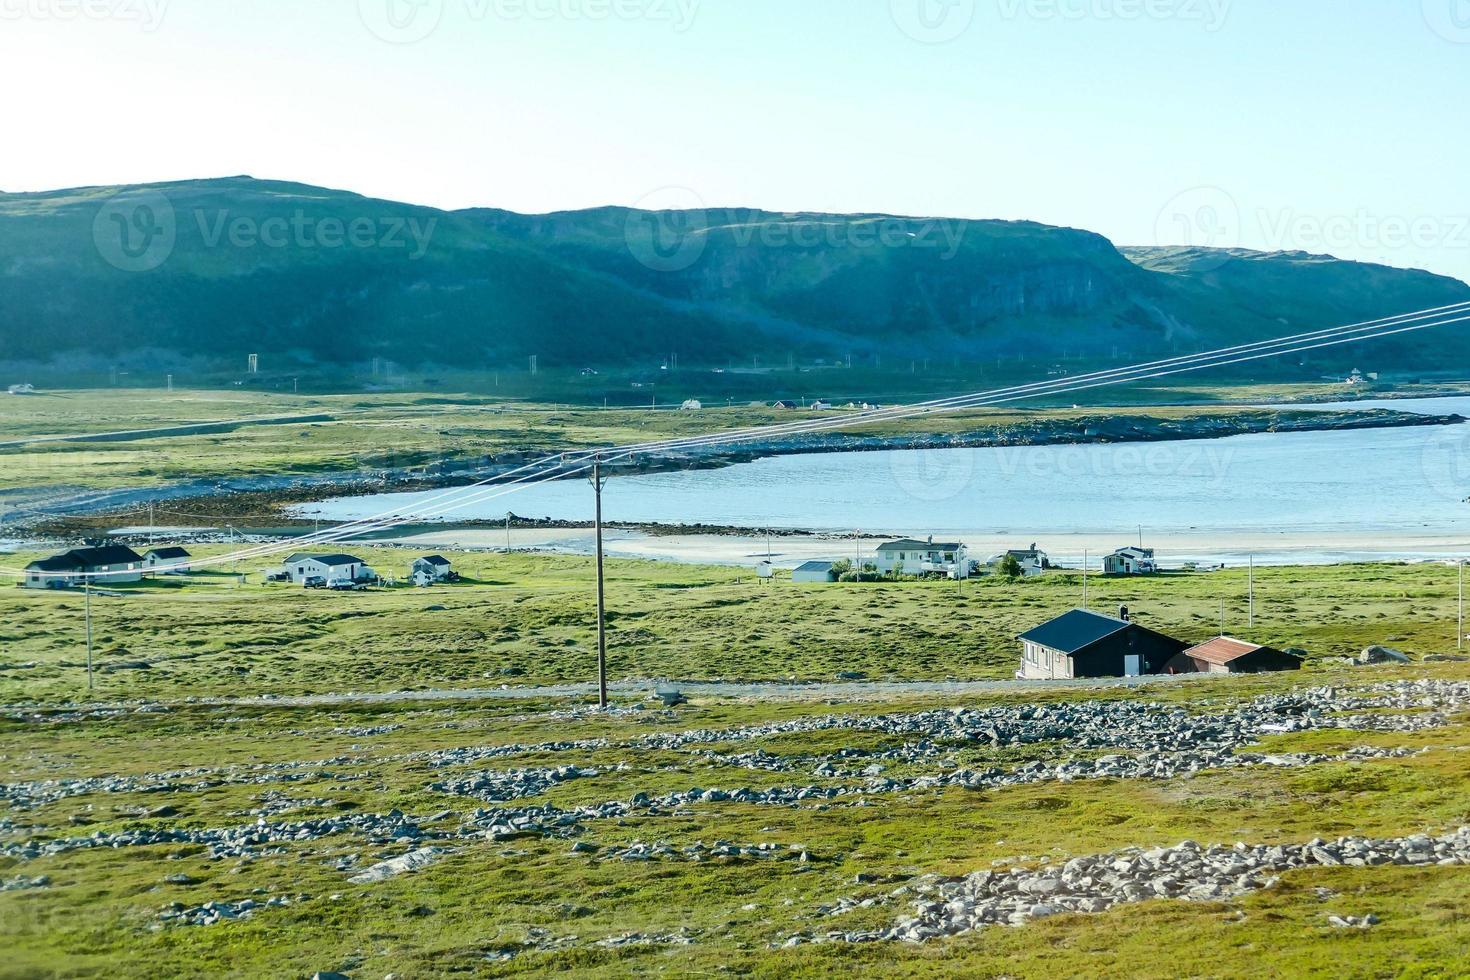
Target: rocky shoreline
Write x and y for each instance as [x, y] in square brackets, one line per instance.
[267, 500]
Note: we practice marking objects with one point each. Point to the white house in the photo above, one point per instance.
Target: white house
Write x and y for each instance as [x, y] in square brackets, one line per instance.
[692, 405]
[814, 573]
[427, 571]
[1131, 561]
[22, 389]
[109, 565]
[924, 558]
[820, 406]
[174, 561]
[329, 568]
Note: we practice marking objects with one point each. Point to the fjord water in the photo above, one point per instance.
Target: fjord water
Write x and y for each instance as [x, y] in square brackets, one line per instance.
[1405, 481]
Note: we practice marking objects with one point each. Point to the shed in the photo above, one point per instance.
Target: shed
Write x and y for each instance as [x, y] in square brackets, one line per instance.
[1227, 655]
[175, 560]
[814, 573]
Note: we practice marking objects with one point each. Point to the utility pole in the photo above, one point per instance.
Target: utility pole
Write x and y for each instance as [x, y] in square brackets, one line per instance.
[597, 485]
[87, 581]
[1251, 580]
[1222, 617]
[150, 524]
[1086, 560]
[1460, 630]
[507, 532]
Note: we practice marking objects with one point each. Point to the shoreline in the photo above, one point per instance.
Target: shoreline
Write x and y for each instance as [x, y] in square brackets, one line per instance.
[233, 500]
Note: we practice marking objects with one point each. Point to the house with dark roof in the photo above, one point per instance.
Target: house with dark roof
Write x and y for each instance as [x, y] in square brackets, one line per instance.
[814, 573]
[1131, 561]
[328, 568]
[172, 561]
[427, 571]
[1082, 643]
[911, 557]
[109, 564]
[1227, 655]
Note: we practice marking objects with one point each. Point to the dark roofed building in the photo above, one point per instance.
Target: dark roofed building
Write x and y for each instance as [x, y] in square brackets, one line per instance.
[1083, 643]
[434, 568]
[109, 564]
[174, 560]
[1227, 655]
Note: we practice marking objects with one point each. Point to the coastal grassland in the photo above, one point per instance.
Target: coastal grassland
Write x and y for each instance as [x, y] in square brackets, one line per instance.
[99, 914]
[369, 433]
[527, 619]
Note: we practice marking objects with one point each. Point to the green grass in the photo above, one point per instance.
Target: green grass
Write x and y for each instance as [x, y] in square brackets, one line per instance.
[527, 619]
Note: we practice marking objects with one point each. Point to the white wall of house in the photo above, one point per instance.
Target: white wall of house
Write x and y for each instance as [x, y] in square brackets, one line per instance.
[306, 568]
[436, 573]
[1039, 663]
[925, 559]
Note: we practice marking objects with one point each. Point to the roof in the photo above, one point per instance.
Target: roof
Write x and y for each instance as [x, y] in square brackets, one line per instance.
[909, 544]
[112, 554]
[1223, 651]
[436, 560]
[56, 563]
[326, 559]
[1134, 551]
[816, 566]
[1075, 630]
[174, 552]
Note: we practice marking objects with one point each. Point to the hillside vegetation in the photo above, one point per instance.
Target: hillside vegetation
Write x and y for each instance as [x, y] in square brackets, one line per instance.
[202, 271]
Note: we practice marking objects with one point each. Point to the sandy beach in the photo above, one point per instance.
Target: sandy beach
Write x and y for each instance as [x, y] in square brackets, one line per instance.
[1175, 549]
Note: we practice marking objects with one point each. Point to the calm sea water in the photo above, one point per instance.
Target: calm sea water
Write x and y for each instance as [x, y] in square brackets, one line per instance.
[1392, 480]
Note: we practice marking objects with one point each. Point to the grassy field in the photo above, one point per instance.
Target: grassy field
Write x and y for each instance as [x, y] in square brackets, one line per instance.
[529, 619]
[372, 432]
[99, 914]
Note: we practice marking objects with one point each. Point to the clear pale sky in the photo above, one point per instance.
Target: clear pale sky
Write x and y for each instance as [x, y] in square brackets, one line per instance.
[1333, 126]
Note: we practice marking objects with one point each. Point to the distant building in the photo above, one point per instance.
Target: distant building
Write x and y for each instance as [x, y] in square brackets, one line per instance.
[175, 561]
[814, 573]
[1032, 555]
[330, 568]
[784, 405]
[1227, 655]
[929, 557]
[1083, 643]
[427, 571]
[111, 564]
[1131, 561]
[821, 406]
[22, 389]
[692, 405]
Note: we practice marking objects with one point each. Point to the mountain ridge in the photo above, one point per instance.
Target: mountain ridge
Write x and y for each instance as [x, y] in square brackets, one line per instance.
[211, 268]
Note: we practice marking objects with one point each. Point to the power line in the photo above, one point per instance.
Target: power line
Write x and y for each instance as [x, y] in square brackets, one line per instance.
[557, 466]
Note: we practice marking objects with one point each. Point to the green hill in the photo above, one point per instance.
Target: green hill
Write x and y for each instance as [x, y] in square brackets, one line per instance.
[210, 270]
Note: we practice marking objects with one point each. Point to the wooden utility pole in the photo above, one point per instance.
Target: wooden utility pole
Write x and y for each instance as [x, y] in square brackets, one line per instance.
[87, 580]
[1460, 630]
[1251, 580]
[1086, 560]
[597, 485]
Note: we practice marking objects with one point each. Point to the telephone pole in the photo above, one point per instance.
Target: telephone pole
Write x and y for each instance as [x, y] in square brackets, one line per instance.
[1251, 579]
[87, 581]
[597, 484]
[1460, 631]
[1086, 560]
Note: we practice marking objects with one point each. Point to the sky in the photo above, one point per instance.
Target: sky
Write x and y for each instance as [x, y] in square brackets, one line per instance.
[1332, 126]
